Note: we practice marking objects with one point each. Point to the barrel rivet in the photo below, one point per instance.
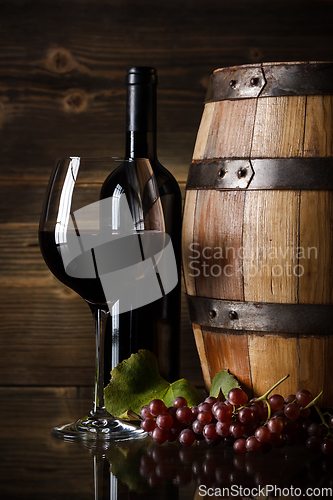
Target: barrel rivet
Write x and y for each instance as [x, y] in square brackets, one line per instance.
[212, 313]
[233, 315]
[242, 172]
[233, 83]
[254, 82]
[221, 173]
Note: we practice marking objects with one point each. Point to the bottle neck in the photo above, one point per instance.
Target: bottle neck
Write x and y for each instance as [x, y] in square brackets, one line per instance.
[141, 145]
[141, 121]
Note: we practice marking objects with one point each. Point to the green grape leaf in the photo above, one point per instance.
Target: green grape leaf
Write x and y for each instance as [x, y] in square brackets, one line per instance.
[222, 383]
[185, 389]
[136, 381]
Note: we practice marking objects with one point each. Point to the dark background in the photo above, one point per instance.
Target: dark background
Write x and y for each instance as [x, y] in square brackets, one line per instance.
[62, 92]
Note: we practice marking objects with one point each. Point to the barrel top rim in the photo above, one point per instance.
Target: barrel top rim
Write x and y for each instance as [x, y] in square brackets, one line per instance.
[268, 64]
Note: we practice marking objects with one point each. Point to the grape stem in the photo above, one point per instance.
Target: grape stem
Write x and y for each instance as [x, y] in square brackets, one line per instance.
[321, 416]
[264, 396]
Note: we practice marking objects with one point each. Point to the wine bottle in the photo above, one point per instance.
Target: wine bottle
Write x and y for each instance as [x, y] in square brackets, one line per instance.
[155, 326]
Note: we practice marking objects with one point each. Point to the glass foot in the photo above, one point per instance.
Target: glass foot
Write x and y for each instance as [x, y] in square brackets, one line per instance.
[99, 425]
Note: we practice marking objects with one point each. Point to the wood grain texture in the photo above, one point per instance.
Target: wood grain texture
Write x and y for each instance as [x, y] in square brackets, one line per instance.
[232, 355]
[231, 129]
[203, 132]
[279, 127]
[270, 241]
[202, 351]
[188, 240]
[315, 355]
[316, 247]
[318, 137]
[272, 357]
[218, 239]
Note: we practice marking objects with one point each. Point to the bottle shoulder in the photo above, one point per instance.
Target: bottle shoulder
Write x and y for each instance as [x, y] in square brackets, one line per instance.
[166, 182]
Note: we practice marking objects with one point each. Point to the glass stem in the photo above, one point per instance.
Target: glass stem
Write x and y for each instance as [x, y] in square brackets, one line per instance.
[100, 326]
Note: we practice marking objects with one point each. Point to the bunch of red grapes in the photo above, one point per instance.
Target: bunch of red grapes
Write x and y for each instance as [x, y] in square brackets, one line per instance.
[247, 426]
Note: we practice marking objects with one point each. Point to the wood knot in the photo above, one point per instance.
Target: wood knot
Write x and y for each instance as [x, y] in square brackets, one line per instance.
[75, 101]
[60, 60]
[205, 82]
[255, 54]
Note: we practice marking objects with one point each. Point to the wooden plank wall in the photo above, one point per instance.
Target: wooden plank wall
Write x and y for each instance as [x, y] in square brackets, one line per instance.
[62, 92]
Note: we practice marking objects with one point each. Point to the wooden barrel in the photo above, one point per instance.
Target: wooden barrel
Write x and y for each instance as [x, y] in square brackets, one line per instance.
[258, 228]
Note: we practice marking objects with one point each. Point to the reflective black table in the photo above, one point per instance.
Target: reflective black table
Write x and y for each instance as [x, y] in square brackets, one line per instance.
[35, 465]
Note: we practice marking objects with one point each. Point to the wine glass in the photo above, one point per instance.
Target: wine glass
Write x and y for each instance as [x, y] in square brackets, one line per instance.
[102, 234]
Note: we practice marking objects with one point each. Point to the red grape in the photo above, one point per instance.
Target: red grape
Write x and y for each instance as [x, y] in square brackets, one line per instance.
[275, 425]
[186, 437]
[240, 445]
[276, 402]
[277, 440]
[262, 434]
[264, 412]
[204, 416]
[198, 427]
[252, 444]
[237, 397]
[205, 406]
[184, 414]
[145, 413]
[327, 447]
[292, 411]
[211, 400]
[160, 436]
[180, 401]
[290, 399]
[157, 406]
[148, 424]
[195, 412]
[209, 432]
[236, 429]
[260, 403]
[304, 397]
[222, 412]
[245, 415]
[172, 411]
[164, 421]
[257, 412]
[223, 428]
[314, 430]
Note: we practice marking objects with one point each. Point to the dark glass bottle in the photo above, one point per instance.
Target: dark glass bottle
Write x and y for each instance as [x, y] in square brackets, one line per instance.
[155, 326]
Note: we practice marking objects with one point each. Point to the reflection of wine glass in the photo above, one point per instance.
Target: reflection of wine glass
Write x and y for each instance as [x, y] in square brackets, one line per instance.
[101, 245]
